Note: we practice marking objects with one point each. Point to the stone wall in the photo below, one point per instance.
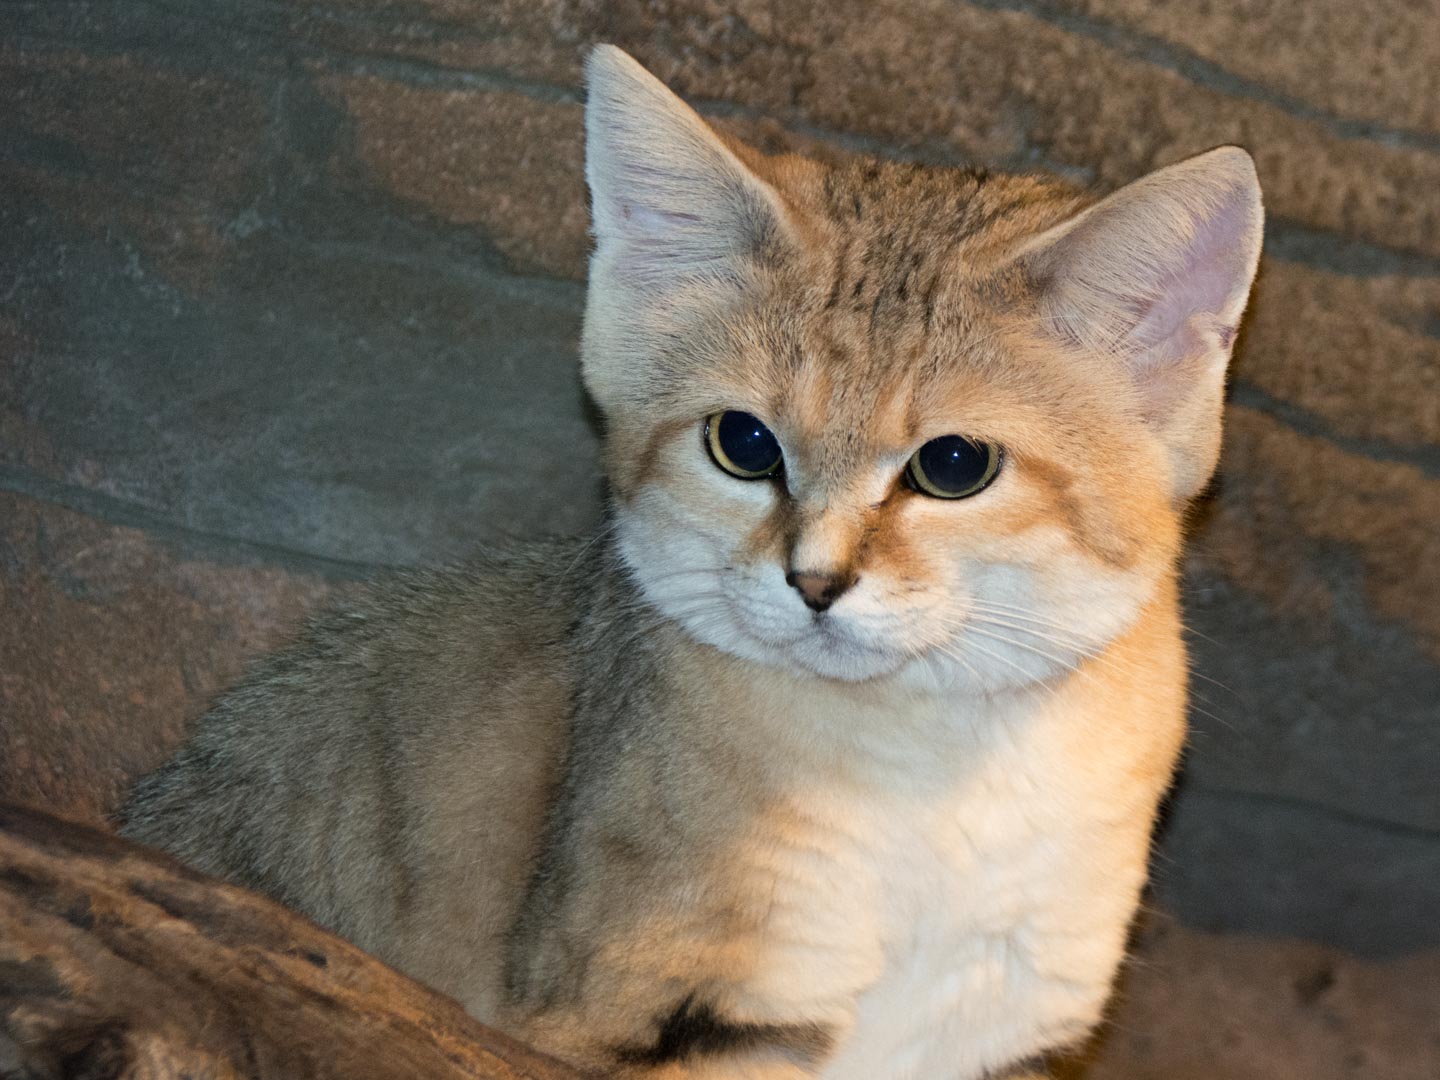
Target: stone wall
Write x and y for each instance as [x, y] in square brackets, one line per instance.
[290, 290]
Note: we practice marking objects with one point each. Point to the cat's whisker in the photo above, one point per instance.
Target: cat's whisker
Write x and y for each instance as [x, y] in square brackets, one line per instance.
[716, 571]
[1058, 635]
[1098, 658]
[1216, 683]
[1084, 651]
[1189, 629]
[957, 656]
[1013, 611]
[1129, 667]
[1053, 633]
[1076, 665]
[1030, 676]
[1028, 615]
[1078, 670]
[1064, 665]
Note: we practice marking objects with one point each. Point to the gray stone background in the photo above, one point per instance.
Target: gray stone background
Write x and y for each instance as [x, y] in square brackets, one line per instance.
[289, 291]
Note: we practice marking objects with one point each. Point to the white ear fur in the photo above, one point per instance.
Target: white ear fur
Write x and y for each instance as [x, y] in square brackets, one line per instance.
[1156, 277]
[669, 199]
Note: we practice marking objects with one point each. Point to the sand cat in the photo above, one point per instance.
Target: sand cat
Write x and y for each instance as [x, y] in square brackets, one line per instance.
[836, 752]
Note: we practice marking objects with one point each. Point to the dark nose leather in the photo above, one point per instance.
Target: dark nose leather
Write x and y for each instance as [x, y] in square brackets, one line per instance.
[819, 591]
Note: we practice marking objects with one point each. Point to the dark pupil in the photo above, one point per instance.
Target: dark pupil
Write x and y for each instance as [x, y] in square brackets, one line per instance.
[953, 463]
[747, 442]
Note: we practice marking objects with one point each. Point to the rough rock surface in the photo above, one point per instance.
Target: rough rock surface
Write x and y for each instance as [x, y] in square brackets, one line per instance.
[1200, 1006]
[290, 292]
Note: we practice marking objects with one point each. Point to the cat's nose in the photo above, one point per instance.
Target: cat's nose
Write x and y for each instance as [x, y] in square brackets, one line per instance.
[819, 591]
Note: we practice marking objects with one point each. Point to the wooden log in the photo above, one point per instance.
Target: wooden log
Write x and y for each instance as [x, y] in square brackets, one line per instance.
[117, 962]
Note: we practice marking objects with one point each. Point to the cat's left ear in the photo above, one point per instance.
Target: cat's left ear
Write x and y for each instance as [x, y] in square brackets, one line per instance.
[1155, 277]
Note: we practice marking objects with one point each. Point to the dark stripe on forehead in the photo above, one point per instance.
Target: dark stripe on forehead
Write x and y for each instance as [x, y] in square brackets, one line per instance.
[927, 302]
[875, 312]
[842, 268]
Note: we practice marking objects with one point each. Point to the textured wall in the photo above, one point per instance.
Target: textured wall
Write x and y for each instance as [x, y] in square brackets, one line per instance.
[291, 289]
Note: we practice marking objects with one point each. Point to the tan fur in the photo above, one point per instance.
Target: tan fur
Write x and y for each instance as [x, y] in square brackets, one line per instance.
[629, 798]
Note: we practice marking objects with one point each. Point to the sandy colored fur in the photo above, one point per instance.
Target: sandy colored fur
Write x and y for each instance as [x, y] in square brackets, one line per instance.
[632, 800]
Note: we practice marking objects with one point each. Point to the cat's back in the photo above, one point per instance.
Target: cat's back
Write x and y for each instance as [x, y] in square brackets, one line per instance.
[413, 716]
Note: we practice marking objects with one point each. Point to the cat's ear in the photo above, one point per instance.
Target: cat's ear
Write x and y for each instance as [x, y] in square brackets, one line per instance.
[680, 223]
[670, 202]
[1155, 278]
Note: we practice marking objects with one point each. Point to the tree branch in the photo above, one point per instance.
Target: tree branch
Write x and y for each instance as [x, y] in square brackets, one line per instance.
[118, 962]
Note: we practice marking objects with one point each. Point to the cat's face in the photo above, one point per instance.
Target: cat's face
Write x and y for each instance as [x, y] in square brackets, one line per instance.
[821, 327]
[1047, 560]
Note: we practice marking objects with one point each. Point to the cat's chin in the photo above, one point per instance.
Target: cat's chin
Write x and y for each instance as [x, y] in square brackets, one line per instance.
[811, 655]
[842, 664]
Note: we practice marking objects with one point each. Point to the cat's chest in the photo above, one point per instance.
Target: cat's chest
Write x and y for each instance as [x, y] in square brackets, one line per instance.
[949, 931]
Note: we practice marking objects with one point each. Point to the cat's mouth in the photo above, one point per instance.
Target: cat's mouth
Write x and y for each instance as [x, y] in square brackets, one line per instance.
[830, 645]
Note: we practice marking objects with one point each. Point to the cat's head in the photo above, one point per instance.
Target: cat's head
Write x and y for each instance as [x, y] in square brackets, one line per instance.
[881, 417]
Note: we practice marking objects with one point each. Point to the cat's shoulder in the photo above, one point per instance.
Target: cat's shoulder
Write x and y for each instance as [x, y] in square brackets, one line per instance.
[515, 583]
[437, 623]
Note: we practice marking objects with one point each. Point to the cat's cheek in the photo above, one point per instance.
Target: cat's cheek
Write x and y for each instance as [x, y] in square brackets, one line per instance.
[1099, 603]
[685, 490]
[666, 548]
[1055, 598]
[942, 547]
[683, 544]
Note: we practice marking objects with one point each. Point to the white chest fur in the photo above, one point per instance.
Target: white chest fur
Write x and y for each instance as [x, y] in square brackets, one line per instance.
[965, 917]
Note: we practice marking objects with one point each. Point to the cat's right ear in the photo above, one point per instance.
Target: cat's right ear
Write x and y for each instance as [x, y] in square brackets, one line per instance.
[670, 201]
[680, 221]
[1154, 279]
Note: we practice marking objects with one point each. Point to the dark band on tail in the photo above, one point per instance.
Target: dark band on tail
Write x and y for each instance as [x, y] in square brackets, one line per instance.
[695, 1029]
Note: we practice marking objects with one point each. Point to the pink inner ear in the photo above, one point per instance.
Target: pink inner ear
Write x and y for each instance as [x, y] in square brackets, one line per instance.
[1208, 282]
[1155, 278]
[648, 225]
[664, 226]
[656, 244]
[671, 201]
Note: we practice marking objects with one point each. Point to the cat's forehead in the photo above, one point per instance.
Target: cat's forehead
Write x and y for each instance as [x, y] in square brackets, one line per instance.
[894, 254]
[895, 220]
[901, 268]
[895, 308]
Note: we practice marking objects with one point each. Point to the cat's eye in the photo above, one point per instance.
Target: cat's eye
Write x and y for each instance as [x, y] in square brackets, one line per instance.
[952, 467]
[742, 445]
